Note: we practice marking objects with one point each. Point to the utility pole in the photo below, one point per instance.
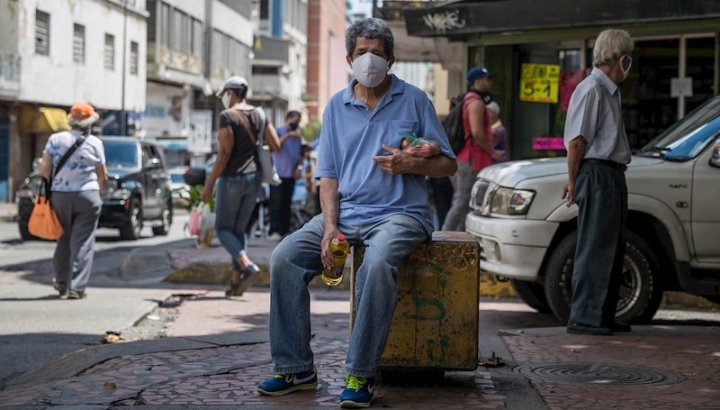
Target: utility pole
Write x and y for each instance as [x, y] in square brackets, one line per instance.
[123, 117]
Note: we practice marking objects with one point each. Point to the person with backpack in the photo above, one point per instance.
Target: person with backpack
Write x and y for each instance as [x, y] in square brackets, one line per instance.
[470, 134]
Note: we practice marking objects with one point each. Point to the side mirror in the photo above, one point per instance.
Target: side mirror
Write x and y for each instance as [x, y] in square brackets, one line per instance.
[715, 158]
[153, 163]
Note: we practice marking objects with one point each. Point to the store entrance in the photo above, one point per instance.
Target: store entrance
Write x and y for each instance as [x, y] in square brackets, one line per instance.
[649, 105]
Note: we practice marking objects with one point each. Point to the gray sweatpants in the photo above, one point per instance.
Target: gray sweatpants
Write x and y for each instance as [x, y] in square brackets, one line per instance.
[601, 195]
[78, 213]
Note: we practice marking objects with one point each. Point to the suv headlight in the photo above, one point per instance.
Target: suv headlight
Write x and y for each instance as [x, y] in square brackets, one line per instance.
[509, 201]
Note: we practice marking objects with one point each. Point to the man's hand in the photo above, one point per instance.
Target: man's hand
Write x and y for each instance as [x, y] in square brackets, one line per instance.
[396, 162]
[294, 134]
[325, 254]
[207, 192]
[568, 194]
[498, 155]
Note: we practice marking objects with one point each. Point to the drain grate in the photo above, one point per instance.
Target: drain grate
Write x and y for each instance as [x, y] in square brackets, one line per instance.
[598, 373]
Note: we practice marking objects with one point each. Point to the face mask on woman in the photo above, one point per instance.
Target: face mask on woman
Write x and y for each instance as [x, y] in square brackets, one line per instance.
[370, 69]
[226, 100]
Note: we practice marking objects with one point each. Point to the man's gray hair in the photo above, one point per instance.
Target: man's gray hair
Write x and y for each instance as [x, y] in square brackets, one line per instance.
[370, 28]
[610, 45]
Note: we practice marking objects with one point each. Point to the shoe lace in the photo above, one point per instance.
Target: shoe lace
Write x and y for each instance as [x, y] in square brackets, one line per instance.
[354, 382]
[288, 378]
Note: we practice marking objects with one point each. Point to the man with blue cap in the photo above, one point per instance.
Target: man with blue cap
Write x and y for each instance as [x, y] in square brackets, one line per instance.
[478, 151]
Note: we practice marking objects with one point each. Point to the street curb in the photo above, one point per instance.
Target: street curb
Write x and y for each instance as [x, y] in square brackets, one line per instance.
[75, 362]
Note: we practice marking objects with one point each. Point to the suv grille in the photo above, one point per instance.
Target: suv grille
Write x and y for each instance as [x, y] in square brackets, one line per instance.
[477, 197]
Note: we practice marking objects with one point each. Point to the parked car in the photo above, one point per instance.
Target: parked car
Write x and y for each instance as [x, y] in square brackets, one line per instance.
[137, 193]
[180, 190]
[138, 190]
[528, 234]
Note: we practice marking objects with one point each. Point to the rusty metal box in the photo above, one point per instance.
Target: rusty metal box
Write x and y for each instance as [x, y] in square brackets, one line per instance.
[435, 324]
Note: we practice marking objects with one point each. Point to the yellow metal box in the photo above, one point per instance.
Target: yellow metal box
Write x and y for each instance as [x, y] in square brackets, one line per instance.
[435, 325]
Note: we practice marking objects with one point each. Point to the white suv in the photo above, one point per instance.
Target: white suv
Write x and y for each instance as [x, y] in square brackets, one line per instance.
[528, 234]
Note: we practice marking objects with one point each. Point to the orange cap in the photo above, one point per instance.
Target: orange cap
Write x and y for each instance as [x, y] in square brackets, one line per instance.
[81, 110]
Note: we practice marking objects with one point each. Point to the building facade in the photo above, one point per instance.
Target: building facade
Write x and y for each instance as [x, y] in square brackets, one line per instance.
[193, 46]
[327, 68]
[53, 53]
[279, 67]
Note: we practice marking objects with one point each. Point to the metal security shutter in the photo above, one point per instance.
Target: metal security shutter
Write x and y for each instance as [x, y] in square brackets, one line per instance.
[42, 33]
[79, 43]
[109, 56]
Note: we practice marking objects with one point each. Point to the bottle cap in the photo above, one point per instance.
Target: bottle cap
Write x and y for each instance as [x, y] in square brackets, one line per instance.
[341, 237]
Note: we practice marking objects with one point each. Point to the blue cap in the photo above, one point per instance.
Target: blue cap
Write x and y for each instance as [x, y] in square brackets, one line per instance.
[478, 72]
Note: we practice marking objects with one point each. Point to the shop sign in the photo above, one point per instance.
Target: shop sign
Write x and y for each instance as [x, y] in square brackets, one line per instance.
[539, 83]
[548, 144]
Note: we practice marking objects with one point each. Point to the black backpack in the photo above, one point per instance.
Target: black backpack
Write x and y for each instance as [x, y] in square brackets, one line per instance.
[453, 123]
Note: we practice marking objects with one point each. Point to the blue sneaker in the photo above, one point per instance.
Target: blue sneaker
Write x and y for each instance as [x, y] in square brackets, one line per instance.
[281, 384]
[358, 393]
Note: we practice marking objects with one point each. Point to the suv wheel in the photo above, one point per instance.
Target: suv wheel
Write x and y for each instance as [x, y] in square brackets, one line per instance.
[532, 293]
[132, 230]
[640, 293]
[165, 220]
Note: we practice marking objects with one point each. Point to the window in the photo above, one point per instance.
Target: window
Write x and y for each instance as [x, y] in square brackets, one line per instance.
[79, 43]
[197, 38]
[42, 33]
[264, 9]
[109, 55]
[181, 33]
[165, 23]
[134, 58]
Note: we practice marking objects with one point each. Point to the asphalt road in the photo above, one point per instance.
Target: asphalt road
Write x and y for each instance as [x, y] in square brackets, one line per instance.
[36, 327]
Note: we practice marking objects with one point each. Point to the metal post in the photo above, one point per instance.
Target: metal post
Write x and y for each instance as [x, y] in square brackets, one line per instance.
[123, 117]
[682, 70]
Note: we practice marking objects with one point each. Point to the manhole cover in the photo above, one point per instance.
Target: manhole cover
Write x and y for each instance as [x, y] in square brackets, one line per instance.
[598, 373]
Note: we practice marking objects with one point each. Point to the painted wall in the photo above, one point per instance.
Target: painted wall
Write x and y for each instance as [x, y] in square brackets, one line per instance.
[56, 79]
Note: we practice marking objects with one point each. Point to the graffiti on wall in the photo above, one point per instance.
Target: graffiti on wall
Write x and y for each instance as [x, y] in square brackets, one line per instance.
[444, 21]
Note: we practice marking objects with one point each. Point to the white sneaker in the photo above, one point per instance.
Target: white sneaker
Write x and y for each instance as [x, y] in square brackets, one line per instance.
[275, 236]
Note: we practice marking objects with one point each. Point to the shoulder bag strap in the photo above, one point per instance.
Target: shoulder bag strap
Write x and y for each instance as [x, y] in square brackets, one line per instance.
[245, 123]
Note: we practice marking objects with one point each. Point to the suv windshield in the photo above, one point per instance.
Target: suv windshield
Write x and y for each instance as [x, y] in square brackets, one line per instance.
[688, 137]
[121, 154]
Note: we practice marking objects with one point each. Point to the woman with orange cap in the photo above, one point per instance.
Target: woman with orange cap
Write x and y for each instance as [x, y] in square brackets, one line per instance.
[76, 198]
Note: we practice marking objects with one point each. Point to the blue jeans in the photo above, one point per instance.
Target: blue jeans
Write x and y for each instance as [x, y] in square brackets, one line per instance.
[296, 260]
[236, 197]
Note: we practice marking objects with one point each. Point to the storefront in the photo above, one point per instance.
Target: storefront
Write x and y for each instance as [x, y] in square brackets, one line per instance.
[541, 54]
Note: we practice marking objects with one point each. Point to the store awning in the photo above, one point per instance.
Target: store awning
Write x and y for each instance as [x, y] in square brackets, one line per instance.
[42, 120]
[459, 18]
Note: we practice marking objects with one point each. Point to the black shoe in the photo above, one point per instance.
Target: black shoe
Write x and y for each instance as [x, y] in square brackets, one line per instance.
[619, 327]
[580, 329]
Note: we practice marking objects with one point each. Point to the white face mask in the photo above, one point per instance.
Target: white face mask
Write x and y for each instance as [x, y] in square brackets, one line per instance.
[369, 69]
[226, 100]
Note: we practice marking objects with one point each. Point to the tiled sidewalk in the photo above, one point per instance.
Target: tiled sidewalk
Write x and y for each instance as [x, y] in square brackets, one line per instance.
[689, 355]
[229, 375]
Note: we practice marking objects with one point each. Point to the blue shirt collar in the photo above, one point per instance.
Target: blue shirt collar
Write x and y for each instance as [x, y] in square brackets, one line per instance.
[605, 80]
[396, 87]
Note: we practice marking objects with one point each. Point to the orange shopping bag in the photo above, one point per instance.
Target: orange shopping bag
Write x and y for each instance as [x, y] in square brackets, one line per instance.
[43, 222]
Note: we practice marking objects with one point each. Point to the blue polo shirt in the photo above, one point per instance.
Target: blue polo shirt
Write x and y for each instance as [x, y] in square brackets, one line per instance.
[286, 159]
[352, 134]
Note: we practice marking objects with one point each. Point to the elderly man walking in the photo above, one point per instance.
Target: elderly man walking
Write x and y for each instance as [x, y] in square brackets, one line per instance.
[598, 153]
[372, 192]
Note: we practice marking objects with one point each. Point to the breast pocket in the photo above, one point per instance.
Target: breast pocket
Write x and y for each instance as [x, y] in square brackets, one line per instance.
[399, 130]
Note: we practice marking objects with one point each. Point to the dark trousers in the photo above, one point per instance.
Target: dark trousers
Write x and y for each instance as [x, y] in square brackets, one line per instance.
[280, 202]
[442, 193]
[601, 195]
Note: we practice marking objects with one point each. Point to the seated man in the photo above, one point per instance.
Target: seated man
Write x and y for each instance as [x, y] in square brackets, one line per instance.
[375, 194]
